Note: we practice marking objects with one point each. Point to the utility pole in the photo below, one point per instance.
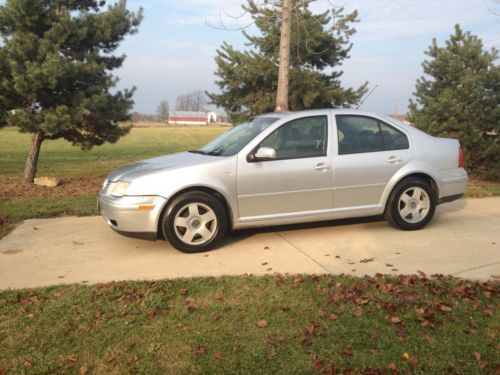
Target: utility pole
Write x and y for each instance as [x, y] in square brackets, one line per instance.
[286, 26]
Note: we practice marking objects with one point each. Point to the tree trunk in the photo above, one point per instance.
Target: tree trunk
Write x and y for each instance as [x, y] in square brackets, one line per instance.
[286, 26]
[32, 159]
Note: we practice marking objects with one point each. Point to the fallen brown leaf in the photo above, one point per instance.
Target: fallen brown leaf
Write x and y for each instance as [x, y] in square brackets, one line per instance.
[444, 308]
[366, 260]
[297, 280]
[476, 356]
[217, 355]
[271, 352]
[347, 350]
[405, 357]
[262, 323]
[358, 312]
[419, 311]
[395, 320]
[72, 358]
[200, 351]
[278, 280]
[219, 297]
[321, 314]
[82, 370]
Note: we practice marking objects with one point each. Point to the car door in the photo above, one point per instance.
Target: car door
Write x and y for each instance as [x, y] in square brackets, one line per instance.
[370, 152]
[299, 180]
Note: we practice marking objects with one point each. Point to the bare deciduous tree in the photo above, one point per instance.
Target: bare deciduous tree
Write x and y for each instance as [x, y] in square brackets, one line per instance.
[194, 101]
[163, 110]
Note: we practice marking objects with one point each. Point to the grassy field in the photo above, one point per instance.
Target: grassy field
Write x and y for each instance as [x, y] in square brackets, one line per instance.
[60, 158]
[248, 325]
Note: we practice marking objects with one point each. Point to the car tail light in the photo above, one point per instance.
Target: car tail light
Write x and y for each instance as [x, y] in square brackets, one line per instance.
[460, 157]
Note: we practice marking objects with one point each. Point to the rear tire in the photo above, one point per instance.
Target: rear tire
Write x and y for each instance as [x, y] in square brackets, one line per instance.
[411, 205]
[194, 222]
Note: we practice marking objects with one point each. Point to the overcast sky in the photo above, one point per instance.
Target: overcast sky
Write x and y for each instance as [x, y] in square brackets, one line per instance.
[174, 51]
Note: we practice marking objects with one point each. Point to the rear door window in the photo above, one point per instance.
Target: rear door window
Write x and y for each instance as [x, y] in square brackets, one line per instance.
[360, 134]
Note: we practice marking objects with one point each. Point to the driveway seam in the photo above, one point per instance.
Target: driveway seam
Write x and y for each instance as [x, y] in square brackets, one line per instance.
[303, 252]
[475, 268]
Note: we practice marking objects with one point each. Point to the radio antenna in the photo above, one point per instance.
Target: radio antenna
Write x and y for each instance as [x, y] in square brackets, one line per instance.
[366, 96]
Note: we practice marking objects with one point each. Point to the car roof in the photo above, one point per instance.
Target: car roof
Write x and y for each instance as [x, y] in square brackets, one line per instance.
[340, 111]
[335, 111]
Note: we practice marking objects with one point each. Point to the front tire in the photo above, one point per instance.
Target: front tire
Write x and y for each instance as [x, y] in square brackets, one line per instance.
[194, 222]
[411, 205]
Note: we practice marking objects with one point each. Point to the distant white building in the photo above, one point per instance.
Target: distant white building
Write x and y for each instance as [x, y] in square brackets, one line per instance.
[211, 117]
[191, 118]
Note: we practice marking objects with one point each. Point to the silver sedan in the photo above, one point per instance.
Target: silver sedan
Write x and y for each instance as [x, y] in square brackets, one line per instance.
[283, 168]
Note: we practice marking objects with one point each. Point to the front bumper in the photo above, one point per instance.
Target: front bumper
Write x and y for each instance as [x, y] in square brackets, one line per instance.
[134, 216]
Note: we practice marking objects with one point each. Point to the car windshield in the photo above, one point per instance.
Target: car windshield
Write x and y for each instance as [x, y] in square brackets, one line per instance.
[232, 141]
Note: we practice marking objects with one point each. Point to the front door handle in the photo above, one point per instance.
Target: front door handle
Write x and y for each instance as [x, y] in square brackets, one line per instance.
[394, 160]
[322, 167]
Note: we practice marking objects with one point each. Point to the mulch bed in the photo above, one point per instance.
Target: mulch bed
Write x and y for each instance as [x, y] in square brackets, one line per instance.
[15, 187]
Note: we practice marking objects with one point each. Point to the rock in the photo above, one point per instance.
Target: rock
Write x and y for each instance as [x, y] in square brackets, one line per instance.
[47, 181]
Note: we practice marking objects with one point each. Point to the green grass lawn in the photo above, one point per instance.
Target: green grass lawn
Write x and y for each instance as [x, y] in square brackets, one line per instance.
[60, 158]
[250, 325]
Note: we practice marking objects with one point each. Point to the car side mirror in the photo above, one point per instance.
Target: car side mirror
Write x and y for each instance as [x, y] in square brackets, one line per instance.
[262, 154]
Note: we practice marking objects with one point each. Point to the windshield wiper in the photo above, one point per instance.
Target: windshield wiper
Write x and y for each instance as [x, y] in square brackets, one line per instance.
[197, 152]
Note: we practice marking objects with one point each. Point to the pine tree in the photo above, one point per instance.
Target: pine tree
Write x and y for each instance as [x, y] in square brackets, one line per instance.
[56, 74]
[459, 98]
[319, 44]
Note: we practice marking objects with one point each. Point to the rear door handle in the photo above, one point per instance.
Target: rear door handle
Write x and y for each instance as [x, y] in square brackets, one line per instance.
[394, 160]
[322, 167]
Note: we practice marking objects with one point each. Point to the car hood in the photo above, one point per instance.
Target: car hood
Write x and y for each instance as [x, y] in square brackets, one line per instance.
[159, 164]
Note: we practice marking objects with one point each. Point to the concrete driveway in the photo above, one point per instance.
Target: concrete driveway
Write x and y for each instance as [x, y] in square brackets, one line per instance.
[462, 240]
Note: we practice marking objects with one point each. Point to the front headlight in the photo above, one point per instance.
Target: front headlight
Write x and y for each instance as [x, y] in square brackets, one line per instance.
[105, 185]
[119, 188]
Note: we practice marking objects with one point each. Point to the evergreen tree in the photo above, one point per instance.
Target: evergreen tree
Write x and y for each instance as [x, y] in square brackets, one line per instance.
[459, 97]
[56, 73]
[319, 44]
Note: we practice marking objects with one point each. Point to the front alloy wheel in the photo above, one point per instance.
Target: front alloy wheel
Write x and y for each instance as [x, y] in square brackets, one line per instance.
[194, 222]
[411, 204]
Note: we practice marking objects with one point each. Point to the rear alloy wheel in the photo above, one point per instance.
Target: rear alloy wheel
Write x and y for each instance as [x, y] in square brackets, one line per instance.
[194, 222]
[411, 204]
